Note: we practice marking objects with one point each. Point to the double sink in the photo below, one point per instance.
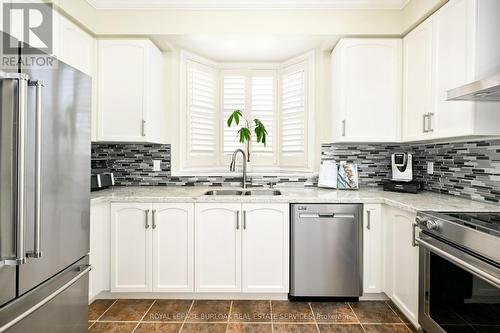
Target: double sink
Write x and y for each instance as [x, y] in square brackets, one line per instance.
[244, 192]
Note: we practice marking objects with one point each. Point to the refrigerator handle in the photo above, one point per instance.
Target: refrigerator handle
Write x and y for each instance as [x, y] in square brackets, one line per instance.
[20, 151]
[38, 84]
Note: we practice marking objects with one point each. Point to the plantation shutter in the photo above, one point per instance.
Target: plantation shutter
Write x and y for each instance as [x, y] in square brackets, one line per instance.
[293, 114]
[202, 114]
[263, 101]
[233, 98]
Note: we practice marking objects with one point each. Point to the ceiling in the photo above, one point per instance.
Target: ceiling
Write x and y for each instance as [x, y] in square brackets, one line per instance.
[249, 4]
[246, 48]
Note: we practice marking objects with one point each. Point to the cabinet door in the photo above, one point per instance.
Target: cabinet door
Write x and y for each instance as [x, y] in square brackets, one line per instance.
[370, 88]
[417, 101]
[218, 247]
[173, 236]
[265, 248]
[454, 66]
[76, 47]
[99, 249]
[372, 249]
[122, 90]
[405, 264]
[131, 247]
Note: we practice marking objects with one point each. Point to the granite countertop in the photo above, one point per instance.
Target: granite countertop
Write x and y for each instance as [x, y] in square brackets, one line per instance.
[411, 202]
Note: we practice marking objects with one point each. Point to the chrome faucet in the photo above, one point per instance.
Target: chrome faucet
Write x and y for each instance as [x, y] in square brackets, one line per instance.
[232, 166]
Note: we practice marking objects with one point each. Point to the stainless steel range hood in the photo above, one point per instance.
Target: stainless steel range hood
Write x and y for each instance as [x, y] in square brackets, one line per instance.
[487, 90]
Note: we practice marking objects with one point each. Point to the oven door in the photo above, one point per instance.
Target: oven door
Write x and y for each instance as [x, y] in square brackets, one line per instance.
[458, 292]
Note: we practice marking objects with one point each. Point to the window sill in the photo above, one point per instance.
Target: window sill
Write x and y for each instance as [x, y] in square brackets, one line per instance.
[254, 173]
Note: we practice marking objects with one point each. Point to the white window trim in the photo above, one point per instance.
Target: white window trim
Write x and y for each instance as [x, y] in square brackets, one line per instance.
[221, 170]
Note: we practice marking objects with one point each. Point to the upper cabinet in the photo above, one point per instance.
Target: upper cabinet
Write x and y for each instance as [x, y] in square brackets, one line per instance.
[453, 47]
[366, 96]
[74, 46]
[130, 104]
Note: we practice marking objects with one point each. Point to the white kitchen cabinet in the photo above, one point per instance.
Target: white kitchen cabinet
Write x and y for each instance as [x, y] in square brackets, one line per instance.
[417, 99]
[75, 46]
[462, 37]
[131, 247]
[372, 249]
[265, 256]
[401, 266]
[366, 96]
[241, 248]
[99, 248]
[173, 236]
[218, 247]
[131, 91]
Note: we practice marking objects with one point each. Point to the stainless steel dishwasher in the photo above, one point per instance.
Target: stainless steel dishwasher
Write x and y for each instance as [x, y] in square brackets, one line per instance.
[326, 250]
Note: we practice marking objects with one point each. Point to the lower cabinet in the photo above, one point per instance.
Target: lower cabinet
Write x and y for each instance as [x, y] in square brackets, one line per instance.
[241, 247]
[401, 267]
[151, 247]
[372, 249]
[99, 248]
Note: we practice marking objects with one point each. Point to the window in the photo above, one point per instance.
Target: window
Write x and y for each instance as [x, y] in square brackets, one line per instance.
[276, 94]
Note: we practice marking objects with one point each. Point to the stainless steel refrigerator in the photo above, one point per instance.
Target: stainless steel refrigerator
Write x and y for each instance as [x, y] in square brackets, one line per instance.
[44, 199]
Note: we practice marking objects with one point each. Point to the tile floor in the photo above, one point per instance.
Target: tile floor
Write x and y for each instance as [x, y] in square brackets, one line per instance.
[226, 316]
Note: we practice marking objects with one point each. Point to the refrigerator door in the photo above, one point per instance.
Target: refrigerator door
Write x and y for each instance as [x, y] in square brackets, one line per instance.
[8, 89]
[64, 173]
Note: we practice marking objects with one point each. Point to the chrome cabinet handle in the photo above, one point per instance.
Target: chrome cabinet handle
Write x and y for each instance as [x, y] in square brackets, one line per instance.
[143, 129]
[343, 127]
[154, 218]
[424, 122]
[368, 219]
[238, 220]
[244, 220]
[147, 218]
[414, 241]
[429, 117]
[37, 252]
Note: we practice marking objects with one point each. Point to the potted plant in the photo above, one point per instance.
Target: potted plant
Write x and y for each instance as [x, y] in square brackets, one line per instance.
[245, 132]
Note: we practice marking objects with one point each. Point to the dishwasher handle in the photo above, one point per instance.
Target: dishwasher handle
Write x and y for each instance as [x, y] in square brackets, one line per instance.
[326, 215]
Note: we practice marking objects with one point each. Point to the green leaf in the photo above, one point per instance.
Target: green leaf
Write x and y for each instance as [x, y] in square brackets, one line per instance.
[230, 120]
[234, 116]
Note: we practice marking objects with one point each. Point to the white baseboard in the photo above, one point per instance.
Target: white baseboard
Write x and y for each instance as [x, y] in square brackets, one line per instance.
[374, 297]
[239, 296]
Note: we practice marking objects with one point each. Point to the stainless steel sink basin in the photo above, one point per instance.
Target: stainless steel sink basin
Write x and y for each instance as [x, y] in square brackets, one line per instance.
[263, 192]
[224, 192]
[237, 192]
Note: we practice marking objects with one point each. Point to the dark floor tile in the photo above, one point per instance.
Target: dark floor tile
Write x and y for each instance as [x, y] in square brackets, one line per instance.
[374, 312]
[386, 328]
[203, 328]
[295, 328]
[97, 308]
[249, 328]
[284, 311]
[112, 327]
[333, 312]
[400, 314]
[250, 311]
[127, 310]
[158, 328]
[209, 311]
[168, 310]
[340, 328]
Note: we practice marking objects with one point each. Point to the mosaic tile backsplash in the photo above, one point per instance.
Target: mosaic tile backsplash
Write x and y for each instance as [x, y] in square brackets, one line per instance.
[467, 169]
[132, 164]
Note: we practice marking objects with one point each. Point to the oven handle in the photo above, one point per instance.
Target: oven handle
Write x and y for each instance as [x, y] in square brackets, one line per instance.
[460, 262]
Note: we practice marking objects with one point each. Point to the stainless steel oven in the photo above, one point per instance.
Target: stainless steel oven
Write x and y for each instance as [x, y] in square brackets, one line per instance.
[459, 272]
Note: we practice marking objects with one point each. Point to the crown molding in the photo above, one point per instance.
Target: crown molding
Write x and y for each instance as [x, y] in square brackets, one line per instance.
[249, 4]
